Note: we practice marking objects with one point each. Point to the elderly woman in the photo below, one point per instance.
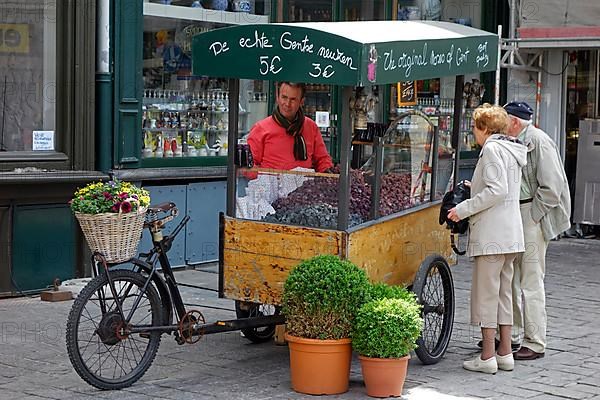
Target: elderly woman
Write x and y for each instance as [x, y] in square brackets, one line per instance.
[495, 234]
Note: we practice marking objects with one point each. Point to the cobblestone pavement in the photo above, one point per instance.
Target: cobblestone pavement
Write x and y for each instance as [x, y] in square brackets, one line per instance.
[34, 363]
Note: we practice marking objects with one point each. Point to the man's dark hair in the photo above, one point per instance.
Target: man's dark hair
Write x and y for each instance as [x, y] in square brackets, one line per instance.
[302, 86]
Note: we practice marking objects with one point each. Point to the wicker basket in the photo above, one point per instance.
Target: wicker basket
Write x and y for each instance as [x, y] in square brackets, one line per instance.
[115, 236]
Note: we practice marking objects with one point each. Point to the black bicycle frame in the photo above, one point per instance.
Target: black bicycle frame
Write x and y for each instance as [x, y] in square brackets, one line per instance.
[170, 295]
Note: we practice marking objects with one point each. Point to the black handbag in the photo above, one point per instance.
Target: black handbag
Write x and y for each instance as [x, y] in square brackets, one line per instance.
[451, 199]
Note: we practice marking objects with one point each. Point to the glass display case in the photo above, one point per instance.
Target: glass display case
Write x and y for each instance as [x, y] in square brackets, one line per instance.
[306, 198]
[365, 113]
[428, 99]
[407, 162]
[297, 197]
[184, 115]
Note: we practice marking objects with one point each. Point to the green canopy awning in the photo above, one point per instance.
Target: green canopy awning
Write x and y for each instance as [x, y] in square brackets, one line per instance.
[344, 53]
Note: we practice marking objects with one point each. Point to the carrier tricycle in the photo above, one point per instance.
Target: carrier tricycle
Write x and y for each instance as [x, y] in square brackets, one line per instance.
[379, 208]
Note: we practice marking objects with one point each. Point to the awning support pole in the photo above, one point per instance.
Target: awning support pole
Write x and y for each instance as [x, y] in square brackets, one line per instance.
[234, 99]
[457, 121]
[497, 83]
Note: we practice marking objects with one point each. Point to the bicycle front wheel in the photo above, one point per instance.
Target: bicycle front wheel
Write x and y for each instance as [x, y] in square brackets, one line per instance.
[100, 348]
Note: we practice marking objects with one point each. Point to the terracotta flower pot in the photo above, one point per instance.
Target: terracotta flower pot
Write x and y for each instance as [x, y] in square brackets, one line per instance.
[384, 377]
[319, 366]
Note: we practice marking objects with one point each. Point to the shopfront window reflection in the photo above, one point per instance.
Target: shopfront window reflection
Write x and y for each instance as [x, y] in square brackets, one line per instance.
[580, 103]
[27, 75]
[185, 115]
[363, 10]
[309, 10]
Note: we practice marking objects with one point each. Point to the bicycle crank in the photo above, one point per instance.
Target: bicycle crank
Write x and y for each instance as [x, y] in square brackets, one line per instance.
[188, 326]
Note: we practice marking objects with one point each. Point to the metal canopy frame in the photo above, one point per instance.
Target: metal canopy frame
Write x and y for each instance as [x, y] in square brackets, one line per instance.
[343, 54]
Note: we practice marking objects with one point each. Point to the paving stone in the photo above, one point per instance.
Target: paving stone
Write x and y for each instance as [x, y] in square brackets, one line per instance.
[565, 392]
[588, 387]
[517, 392]
[547, 396]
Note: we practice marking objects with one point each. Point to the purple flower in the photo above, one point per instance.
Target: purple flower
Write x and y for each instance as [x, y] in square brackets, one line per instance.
[107, 195]
[116, 207]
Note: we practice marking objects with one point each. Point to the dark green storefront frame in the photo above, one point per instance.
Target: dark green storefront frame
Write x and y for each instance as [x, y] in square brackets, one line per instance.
[128, 45]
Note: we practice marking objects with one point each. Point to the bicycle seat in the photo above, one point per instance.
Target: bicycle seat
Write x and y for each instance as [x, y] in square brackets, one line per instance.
[162, 207]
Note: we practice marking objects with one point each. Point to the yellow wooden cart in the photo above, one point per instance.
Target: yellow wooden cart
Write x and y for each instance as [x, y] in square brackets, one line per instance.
[406, 245]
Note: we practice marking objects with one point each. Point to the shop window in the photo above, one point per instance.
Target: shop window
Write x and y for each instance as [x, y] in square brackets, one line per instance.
[363, 10]
[28, 77]
[309, 10]
[430, 10]
[581, 103]
[186, 116]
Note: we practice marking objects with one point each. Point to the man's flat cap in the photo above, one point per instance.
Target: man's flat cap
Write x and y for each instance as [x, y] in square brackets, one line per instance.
[519, 109]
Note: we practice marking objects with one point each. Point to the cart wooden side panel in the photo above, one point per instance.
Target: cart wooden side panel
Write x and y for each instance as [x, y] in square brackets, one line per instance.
[392, 250]
[257, 256]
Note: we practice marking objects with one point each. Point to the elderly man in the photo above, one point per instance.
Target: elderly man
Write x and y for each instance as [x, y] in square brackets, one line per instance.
[545, 213]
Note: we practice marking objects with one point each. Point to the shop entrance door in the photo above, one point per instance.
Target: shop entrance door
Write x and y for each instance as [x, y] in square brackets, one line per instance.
[581, 104]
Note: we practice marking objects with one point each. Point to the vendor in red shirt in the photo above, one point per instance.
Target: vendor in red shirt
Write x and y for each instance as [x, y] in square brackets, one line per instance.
[287, 139]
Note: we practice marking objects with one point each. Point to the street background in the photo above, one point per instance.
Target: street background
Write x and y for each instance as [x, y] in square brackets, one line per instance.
[34, 362]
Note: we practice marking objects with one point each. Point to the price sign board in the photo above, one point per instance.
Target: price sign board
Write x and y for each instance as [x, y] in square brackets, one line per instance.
[407, 93]
[344, 53]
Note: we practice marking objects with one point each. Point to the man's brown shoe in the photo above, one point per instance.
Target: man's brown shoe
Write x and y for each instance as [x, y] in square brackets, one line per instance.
[526, 353]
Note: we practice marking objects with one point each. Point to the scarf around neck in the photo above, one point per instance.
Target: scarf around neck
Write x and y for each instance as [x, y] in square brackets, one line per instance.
[294, 129]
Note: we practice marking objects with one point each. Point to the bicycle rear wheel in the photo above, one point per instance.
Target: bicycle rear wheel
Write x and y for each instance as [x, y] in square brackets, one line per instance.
[248, 310]
[99, 347]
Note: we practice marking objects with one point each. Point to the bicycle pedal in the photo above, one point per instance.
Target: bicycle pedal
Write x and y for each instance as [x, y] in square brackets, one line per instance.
[179, 340]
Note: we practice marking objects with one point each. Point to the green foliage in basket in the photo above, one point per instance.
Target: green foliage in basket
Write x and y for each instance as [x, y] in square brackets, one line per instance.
[321, 296]
[109, 197]
[387, 328]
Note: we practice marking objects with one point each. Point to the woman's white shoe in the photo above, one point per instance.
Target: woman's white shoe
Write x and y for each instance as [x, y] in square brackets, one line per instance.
[489, 366]
[506, 362]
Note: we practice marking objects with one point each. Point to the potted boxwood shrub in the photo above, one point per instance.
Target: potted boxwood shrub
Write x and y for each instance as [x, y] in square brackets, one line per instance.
[320, 298]
[385, 331]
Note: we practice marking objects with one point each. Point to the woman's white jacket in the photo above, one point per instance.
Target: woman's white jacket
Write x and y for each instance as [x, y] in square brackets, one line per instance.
[495, 225]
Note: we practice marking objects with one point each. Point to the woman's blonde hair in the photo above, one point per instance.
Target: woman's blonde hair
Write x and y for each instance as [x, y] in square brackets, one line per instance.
[490, 118]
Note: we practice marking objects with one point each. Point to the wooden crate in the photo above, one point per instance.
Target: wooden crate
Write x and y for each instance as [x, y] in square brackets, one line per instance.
[258, 256]
[391, 250]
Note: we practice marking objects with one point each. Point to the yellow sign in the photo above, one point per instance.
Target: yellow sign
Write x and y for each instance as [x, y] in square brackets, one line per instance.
[14, 38]
[407, 93]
